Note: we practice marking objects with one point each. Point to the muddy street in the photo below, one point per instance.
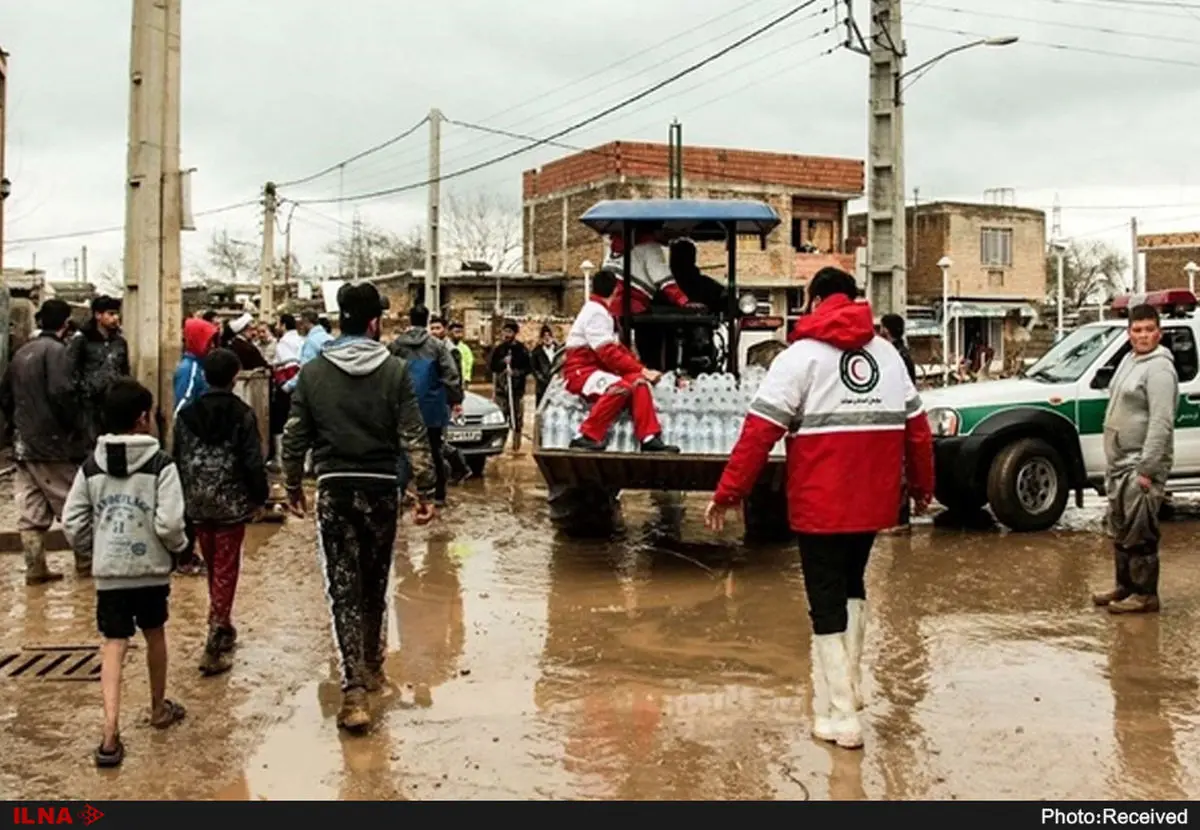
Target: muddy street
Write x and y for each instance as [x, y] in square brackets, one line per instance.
[668, 665]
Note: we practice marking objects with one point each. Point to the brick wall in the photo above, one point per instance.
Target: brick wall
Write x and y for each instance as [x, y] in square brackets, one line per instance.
[708, 164]
[623, 170]
[1166, 255]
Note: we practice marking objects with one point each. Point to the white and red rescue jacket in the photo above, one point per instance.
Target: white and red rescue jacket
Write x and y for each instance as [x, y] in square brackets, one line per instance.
[853, 422]
[595, 357]
[649, 274]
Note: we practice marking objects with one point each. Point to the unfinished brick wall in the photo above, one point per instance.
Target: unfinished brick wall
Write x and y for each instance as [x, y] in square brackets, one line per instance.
[1166, 256]
[625, 170]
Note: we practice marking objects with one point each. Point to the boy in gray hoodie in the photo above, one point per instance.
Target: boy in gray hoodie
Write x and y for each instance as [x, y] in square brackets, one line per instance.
[127, 507]
[1139, 448]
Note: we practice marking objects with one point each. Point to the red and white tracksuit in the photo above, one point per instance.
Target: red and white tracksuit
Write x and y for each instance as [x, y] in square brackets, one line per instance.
[649, 274]
[853, 422]
[607, 374]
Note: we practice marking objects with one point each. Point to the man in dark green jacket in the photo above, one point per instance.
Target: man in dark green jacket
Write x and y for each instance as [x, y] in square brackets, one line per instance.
[356, 409]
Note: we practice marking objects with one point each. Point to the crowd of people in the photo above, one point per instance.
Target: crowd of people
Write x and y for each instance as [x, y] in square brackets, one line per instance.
[369, 421]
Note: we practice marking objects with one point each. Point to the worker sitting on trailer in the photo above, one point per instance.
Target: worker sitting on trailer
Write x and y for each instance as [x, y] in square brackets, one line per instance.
[606, 374]
[649, 275]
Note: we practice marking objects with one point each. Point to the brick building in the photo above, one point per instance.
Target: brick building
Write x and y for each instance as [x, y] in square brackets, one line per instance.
[1166, 254]
[809, 193]
[999, 269]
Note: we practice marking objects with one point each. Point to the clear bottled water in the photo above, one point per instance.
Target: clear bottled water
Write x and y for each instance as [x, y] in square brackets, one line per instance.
[701, 415]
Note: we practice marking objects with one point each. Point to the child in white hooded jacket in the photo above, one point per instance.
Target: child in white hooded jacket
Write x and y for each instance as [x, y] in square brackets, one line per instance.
[127, 507]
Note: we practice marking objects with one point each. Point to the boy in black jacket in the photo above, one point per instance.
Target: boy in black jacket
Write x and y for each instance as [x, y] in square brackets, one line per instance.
[225, 483]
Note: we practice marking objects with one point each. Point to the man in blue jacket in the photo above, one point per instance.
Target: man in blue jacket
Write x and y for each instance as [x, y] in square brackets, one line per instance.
[435, 378]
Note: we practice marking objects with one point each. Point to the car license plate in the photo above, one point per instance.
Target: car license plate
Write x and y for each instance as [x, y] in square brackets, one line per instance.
[466, 436]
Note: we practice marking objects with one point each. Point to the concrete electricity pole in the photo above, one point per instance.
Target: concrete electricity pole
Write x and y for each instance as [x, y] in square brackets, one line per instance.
[432, 276]
[4, 183]
[1139, 279]
[153, 201]
[886, 231]
[266, 305]
[887, 281]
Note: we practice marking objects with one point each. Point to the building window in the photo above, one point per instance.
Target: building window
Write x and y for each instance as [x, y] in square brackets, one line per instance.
[995, 247]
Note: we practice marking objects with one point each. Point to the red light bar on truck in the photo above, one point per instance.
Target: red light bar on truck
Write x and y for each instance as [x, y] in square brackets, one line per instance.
[1174, 302]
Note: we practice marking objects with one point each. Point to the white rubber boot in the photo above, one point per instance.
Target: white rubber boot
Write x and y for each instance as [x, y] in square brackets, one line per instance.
[856, 632]
[822, 725]
[842, 726]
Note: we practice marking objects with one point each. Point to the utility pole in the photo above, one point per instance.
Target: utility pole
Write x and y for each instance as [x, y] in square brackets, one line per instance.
[4, 187]
[887, 279]
[266, 304]
[1139, 281]
[432, 265]
[83, 262]
[912, 260]
[675, 160]
[287, 250]
[153, 207]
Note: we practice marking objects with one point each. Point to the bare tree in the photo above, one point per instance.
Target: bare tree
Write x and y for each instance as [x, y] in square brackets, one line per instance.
[1092, 270]
[483, 227]
[369, 248]
[231, 257]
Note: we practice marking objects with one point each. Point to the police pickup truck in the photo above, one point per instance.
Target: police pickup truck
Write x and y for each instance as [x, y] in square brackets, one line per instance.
[1021, 445]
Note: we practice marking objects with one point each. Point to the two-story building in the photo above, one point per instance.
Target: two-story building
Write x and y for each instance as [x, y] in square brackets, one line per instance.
[809, 193]
[997, 273]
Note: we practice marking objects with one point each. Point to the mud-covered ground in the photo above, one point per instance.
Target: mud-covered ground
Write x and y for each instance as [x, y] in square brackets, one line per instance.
[668, 665]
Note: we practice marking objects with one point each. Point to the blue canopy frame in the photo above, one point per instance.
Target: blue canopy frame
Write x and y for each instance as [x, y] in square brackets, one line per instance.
[702, 221]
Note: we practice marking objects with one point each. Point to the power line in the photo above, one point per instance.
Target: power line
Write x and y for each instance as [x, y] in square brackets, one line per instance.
[1107, 4]
[1063, 46]
[593, 93]
[585, 122]
[369, 151]
[1076, 26]
[114, 228]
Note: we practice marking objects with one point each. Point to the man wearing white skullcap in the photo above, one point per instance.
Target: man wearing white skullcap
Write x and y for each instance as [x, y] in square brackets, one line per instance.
[241, 345]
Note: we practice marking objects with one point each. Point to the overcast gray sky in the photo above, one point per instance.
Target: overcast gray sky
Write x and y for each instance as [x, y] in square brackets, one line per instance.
[278, 89]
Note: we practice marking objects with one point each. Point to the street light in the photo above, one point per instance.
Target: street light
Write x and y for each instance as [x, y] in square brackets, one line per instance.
[1190, 269]
[1059, 248]
[1000, 40]
[587, 266]
[944, 263]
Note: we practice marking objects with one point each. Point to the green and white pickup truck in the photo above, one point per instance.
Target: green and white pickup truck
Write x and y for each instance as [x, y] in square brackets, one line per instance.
[1020, 446]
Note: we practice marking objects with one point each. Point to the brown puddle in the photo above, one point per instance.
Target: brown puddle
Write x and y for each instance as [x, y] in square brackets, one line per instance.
[528, 666]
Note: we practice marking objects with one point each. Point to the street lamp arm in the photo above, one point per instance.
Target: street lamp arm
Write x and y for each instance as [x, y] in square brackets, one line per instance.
[962, 47]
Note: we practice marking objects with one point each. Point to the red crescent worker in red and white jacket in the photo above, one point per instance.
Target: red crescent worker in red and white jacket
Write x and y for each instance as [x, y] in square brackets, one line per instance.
[649, 275]
[599, 368]
[853, 422]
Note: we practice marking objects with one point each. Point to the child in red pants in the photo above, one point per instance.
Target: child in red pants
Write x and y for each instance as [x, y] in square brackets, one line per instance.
[224, 479]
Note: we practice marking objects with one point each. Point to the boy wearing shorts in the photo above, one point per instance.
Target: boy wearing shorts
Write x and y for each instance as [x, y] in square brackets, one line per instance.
[126, 506]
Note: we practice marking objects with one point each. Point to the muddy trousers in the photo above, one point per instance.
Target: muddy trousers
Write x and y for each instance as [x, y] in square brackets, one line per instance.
[516, 413]
[437, 436]
[356, 525]
[1133, 526]
[221, 547]
[628, 392]
[833, 565]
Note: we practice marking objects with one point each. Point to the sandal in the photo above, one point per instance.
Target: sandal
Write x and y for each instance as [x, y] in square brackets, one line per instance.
[106, 759]
[172, 713]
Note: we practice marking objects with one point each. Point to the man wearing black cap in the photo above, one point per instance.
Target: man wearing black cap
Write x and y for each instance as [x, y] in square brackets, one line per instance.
[355, 407]
[38, 401]
[98, 356]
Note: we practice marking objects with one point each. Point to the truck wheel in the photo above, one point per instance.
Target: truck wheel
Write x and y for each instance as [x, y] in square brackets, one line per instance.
[1027, 485]
[587, 512]
[765, 514]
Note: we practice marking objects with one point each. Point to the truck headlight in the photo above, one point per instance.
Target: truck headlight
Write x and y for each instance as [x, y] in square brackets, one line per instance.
[943, 422]
[747, 304]
[494, 418]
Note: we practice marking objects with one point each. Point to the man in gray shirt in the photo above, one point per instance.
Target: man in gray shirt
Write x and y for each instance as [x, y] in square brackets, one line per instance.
[1139, 448]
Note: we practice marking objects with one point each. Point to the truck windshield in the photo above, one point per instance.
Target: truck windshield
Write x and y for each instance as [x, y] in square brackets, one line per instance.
[1070, 358]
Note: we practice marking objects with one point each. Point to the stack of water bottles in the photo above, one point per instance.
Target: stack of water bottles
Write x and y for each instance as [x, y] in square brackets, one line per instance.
[702, 416]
